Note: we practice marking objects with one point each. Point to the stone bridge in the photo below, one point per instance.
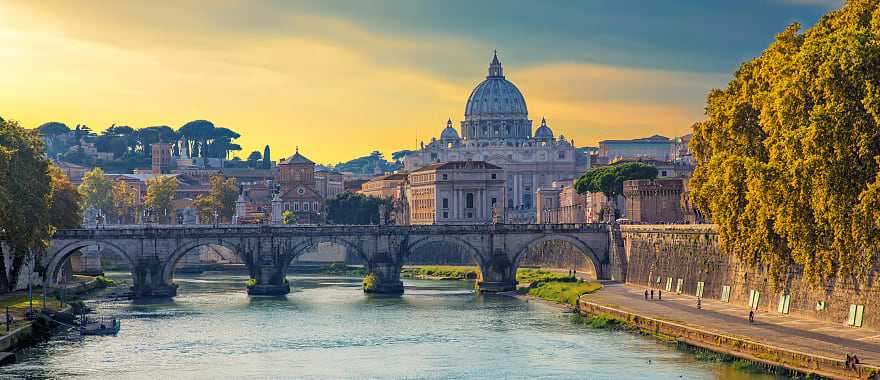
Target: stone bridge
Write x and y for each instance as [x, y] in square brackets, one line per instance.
[152, 251]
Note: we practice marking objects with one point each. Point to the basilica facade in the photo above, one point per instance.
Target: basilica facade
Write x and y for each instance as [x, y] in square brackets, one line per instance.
[497, 129]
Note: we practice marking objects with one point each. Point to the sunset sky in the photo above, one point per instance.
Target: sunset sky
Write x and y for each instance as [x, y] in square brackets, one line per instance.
[343, 78]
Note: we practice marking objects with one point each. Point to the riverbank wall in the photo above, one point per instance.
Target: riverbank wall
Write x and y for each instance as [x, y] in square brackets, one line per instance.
[734, 346]
[687, 259]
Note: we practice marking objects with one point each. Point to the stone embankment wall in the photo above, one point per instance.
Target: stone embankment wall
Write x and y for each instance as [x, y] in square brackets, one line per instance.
[690, 253]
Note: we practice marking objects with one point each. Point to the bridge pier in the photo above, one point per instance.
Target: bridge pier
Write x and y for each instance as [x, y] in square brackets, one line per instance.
[270, 281]
[383, 276]
[497, 275]
[148, 279]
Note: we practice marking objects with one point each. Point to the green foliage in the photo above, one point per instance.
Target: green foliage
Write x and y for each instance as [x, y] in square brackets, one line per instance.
[441, 271]
[370, 282]
[288, 217]
[105, 282]
[160, 197]
[529, 275]
[220, 199]
[97, 190]
[564, 291]
[65, 209]
[350, 208]
[375, 162]
[123, 196]
[609, 179]
[342, 270]
[53, 128]
[787, 160]
[25, 196]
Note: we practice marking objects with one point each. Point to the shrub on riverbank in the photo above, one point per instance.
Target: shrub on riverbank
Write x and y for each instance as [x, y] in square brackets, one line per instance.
[251, 282]
[370, 282]
[441, 271]
[563, 291]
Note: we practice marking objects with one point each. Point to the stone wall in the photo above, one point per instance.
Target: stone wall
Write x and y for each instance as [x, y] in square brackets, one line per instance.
[691, 253]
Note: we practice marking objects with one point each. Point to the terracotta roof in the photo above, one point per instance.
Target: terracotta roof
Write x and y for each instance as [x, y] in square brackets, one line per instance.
[458, 165]
[389, 177]
[297, 159]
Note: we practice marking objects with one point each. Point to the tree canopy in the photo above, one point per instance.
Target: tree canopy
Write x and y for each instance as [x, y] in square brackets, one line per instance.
[97, 190]
[220, 199]
[350, 208]
[64, 205]
[788, 157]
[609, 179]
[160, 197]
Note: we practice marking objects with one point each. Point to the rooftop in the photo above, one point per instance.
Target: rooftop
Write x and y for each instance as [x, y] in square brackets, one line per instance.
[458, 165]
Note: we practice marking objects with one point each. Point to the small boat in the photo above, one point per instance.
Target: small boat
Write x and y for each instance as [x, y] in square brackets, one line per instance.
[100, 326]
[108, 327]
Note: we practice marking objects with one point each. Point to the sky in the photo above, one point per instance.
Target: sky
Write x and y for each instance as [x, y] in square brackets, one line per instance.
[340, 79]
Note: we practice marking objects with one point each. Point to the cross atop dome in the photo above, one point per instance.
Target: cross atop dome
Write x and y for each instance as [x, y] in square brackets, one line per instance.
[495, 69]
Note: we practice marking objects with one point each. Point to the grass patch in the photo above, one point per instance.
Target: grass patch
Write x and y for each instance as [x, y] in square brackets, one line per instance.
[441, 271]
[342, 270]
[529, 275]
[105, 282]
[563, 291]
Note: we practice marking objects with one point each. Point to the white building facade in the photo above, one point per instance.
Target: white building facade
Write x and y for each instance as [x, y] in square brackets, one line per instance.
[497, 129]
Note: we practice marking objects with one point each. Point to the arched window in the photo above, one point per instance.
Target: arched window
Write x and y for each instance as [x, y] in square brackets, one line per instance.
[469, 200]
[315, 206]
[305, 206]
[295, 206]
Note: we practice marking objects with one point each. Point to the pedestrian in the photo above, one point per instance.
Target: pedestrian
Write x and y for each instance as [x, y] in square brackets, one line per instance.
[659, 294]
[848, 363]
[751, 316]
[699, 304]
[646, 294]
[652, 293]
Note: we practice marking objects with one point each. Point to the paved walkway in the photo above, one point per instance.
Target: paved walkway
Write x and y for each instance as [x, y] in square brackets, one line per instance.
[800, 334]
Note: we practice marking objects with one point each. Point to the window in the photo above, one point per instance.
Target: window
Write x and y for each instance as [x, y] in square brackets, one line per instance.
[469, 200]
[470, 215]
[663, 173]
[856, 315]
[315, 206]
[295, 206]
[494, 176]
[305, 206]
[510, 203]
[445, 177]
[527, 200]
[784, 301]
[494, 201]
[445, 203]
[725, 293]
[754, 299]
[561, 155]
[445, 214]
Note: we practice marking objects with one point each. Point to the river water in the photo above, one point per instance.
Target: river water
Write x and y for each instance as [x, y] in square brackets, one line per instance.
[327, 328]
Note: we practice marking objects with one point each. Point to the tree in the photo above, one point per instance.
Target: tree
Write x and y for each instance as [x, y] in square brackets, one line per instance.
[288, 217]
[53, 128]
[124, 197]
[350, 208]
[160, 198]
[267, 158]
[609, 179]
[788, 156]
[253, 159]
[65, 209]
[220, 199]
[25, 191]
[96, 190]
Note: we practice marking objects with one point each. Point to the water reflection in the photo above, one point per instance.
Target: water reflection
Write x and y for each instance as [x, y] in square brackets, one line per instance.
[327, 328]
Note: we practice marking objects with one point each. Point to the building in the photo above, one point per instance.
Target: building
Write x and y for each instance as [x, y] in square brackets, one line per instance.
[161, 158]
[457, 192]
[73, 171]
[385, 186]
[654, 201]
[329, 183]
[650, 148]
[497, 129]
[298, 192]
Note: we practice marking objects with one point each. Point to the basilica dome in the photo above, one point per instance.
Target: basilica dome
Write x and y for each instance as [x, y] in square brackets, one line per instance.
[495, 97]
[544, 132]
[449, 133]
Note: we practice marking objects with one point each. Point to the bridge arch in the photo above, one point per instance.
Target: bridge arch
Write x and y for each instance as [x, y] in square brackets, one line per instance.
[422, 242]
[577, 243]
[306, 245]
[58, 256]
[183, 249]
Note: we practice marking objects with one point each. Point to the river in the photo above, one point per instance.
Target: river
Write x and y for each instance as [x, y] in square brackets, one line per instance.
[327, 328]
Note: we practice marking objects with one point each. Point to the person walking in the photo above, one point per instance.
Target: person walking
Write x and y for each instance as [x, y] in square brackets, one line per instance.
[646, 294]
[660, 295]
[751, 316]
[699, 304]
[652, 293]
